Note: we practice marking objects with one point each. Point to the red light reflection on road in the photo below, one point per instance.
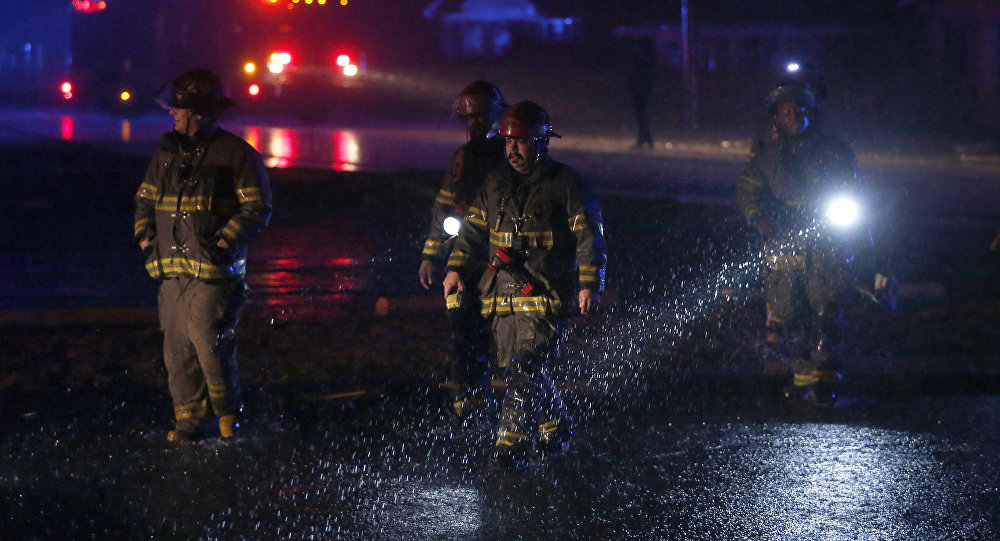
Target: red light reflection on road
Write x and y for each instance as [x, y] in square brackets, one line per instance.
[346, 151]
[278, 146]
[66, 128]
[299, 272]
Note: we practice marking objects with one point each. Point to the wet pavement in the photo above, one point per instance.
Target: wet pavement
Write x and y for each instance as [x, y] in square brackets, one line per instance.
[691, 467]
[679, 432]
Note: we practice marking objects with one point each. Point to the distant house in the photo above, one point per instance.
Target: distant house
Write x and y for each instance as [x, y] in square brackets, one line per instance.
[489, 28]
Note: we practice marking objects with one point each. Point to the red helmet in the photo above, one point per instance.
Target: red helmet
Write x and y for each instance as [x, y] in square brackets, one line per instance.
[526, 119]
[480, 98]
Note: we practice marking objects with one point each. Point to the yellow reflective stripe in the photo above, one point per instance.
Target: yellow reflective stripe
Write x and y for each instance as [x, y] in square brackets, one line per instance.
[188, 204]
[476, 216]
[181, 265]
[786, 262]
[802, 380]
[217, 391]
[578, 222]
[520, 304]
[431, 247]
[458, 258]
[536, 239]
[141, 224]
[445, 197]
[148, 191]
[548, 427]
[588, 273]
[248, 195]
[190, 410]
[232, 229]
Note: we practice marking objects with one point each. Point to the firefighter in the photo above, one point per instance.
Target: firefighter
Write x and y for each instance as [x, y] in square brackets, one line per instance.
[783, 192]
[479, 106]
[540, 234]
[806, 75]
[204, 197]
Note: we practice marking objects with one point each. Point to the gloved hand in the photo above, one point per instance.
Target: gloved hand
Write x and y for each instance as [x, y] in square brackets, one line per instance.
[886, 290]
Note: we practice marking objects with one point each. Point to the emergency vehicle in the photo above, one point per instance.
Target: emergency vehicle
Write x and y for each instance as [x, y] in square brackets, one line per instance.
[267, 53]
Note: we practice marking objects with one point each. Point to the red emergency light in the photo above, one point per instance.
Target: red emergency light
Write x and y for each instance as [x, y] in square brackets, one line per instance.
[87, 6]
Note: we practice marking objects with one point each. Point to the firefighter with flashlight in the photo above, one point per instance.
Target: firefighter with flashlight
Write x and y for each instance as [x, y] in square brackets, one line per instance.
[539, 233]
[479, 106]
[801, 191]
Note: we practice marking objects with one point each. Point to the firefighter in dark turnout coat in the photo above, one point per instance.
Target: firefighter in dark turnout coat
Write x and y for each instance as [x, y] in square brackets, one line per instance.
[783, 191]
[479, 106]
[540, 233]
[204, 197]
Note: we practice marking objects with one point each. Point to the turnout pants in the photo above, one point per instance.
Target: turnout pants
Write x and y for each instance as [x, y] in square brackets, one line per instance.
[804, 311]
[532, 407]
[198, 320]
[469, 367]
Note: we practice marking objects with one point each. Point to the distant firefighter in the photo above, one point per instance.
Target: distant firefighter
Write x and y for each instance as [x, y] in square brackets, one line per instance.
[539, 233]
[479, 107]
[204, 198]
[801, 190]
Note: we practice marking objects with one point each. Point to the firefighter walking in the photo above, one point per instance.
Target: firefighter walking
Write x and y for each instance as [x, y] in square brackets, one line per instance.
[479, 107]
[540, 234]
[783, 192]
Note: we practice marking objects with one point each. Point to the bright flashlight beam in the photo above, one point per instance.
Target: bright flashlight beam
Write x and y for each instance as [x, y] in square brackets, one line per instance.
[451, 225]
[842, 211]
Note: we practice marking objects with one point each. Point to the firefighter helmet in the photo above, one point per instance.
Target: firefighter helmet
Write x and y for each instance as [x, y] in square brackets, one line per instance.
[199, 90]
[791, 93]
[805, 74]
[526, 119]
[480, 98]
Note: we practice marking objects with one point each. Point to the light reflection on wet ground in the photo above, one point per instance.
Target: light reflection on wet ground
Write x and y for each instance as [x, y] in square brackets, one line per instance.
[282, 143]
[397, 468]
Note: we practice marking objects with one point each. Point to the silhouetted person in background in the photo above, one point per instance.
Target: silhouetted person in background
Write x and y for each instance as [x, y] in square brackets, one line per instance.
[641, 77]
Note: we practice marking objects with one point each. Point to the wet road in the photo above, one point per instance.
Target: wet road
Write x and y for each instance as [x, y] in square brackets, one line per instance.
[392, 468]
[660, 451]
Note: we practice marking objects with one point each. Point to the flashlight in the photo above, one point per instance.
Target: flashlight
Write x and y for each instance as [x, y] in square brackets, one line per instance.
[843, 211]
[451, 225]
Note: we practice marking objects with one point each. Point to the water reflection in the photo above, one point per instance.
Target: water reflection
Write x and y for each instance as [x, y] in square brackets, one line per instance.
[311, 272]
[338, 149]
[830, 478]
[347, 151]
[66, 128]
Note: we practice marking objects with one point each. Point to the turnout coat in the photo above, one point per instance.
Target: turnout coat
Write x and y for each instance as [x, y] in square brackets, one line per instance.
[196, 191]
[552, 226]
